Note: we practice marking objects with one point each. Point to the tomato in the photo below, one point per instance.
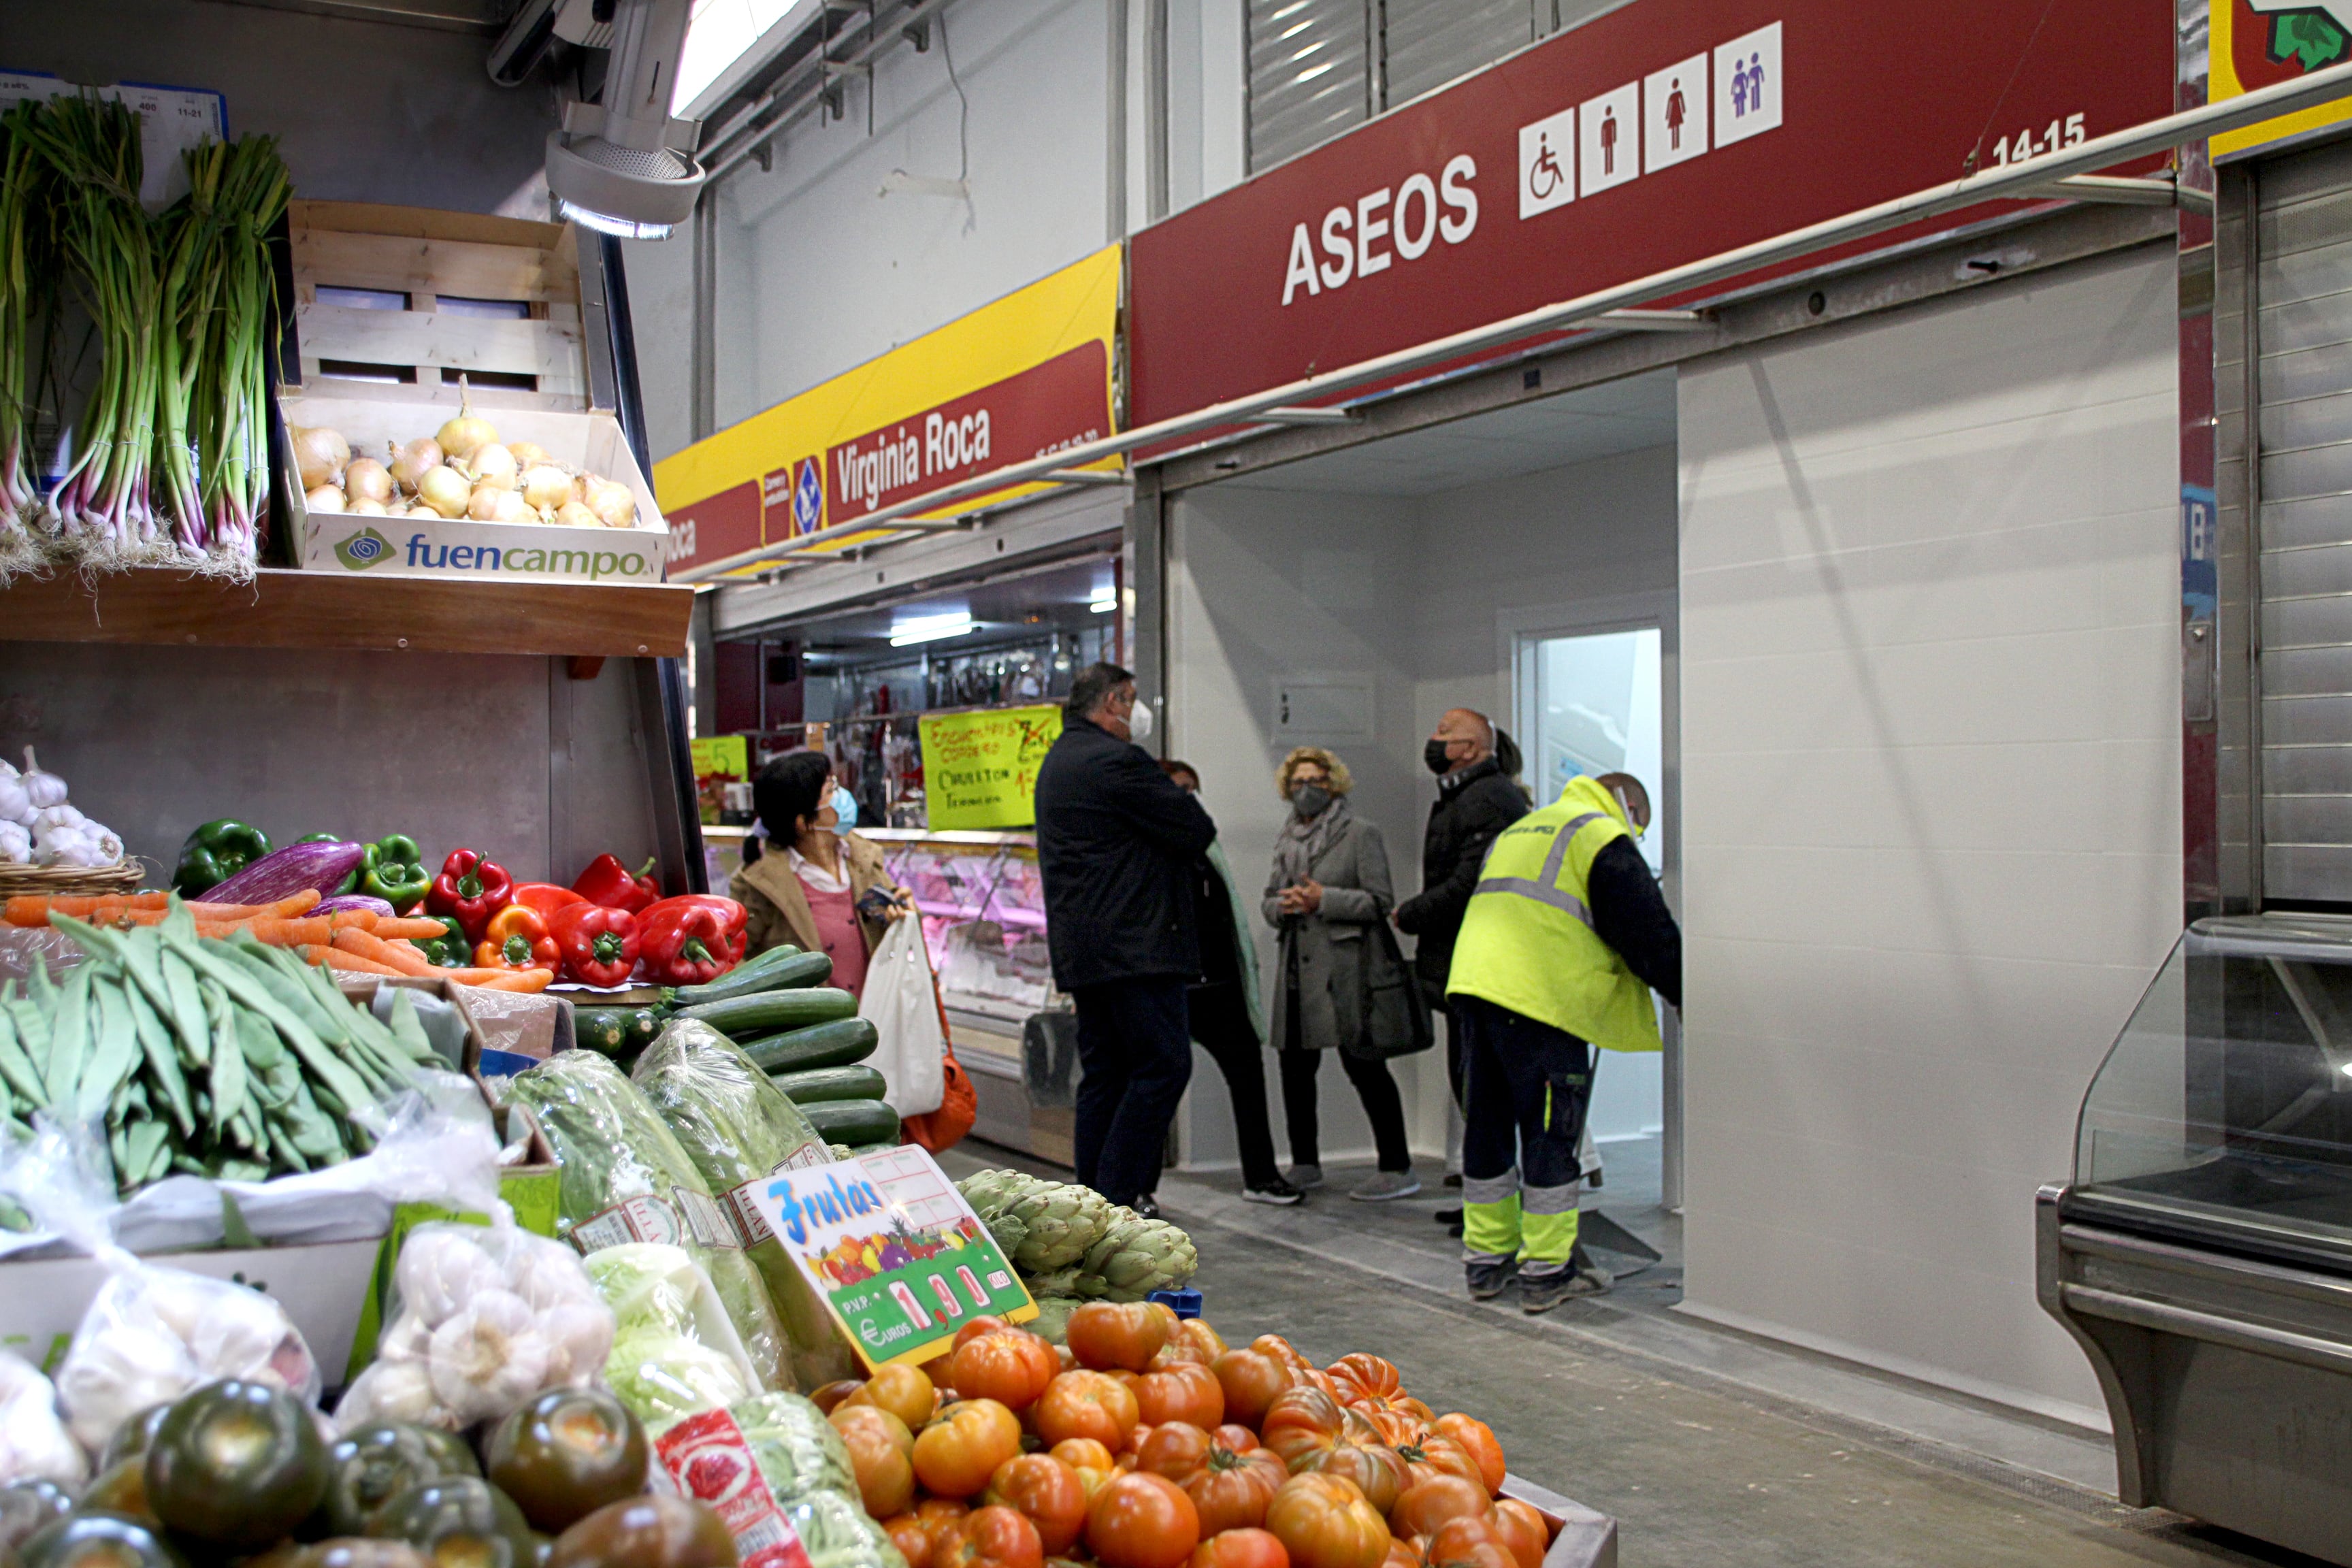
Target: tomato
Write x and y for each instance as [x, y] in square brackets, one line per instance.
[1430, 1502]
[992, 1537]
[1476, 1439]
[1240, 1549]
[901, 1390]
[1371, 1374]
[1192, 1341]
[1469, 1542]
[1104, 1334]
[911, 1536]
[880, 1453]
[1067, 1357]
[1084, 1404]
[1401, 1555]
[1395, 1427]
[832, 1394]
[566, 1454]
[1231, 1491]
[1523, 1530]
[1082, 1454]
[1173, 1449]
[1141, 1521]
[1188, 1391]
[986, 1323]
[1250, 1379]
[1444, 1455]
[1298, 1420]
[1009, 1367]
[1281, 1350]
[1323, 1523]
[1379, 1473]
[1239, 1439]
[955, 1454]
[1136, 1437]
[1050, 1494]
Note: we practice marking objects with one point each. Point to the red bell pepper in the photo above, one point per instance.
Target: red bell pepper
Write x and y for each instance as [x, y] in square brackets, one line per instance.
[517, 937]
[684, 944]
[608, 882]
[544, 897]
[469, 891]
[732, 915]
[599, 946]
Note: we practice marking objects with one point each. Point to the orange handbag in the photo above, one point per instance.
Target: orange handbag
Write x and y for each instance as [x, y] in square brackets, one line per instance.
[959, 1104]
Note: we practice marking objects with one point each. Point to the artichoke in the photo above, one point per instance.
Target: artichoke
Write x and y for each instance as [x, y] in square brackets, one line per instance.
[1009, 1232]
[989, 1192]
[1060, 1283]
[1136, 1257]
[1063, 1221]
[1053, 1319]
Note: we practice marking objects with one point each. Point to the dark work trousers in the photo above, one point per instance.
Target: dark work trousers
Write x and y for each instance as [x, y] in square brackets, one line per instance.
[1135, 1057]
[1529, 1085]
[1221, 1023]
[1374, 1086]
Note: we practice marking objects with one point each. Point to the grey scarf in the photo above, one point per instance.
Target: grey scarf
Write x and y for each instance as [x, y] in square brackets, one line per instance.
[1302, 841]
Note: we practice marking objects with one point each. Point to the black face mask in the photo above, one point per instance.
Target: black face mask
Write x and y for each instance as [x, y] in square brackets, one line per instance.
[1432, 752]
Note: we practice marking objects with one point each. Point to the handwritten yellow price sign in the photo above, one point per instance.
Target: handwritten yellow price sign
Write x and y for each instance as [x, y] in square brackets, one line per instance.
[980, 770]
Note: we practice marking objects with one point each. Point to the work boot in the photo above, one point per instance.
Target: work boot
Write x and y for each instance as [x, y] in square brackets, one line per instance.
[1451, 1219]
[1489, 1279]
[1542, 1292]
[1306, 1178]
[1384, 1186]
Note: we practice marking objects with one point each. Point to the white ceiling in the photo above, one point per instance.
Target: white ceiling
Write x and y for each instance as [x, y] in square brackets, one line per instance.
[1529, 439]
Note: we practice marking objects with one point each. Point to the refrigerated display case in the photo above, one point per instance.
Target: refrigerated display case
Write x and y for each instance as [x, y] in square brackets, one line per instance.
[983, 913]
[2202, 1256]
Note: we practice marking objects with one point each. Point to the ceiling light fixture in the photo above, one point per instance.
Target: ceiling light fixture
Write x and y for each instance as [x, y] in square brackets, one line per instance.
[931, 629]
[1104, 604]
[625, 166]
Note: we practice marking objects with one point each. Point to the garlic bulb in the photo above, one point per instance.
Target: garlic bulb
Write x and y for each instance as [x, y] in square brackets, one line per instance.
[40, 789]
[440, 1270]
[391, 1391]
[487, 1358]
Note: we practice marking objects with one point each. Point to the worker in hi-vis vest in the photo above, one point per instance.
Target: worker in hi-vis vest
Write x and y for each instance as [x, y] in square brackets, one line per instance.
[1566, 936]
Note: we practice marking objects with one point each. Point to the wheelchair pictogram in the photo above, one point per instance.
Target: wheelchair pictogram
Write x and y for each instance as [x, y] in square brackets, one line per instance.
[1545, 176]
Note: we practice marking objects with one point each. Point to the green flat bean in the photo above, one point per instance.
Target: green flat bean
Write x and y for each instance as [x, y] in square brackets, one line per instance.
[116, 1057]
[188, 1016]
[163, 1057]
[69, 1037]
[24, 1080]
[227, 1076]
[304, 1043]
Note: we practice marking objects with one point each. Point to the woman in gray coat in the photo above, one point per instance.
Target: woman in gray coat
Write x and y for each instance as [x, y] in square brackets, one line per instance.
[1330, 883]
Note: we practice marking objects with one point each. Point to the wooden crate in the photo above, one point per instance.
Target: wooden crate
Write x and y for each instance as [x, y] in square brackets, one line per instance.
[454, 269]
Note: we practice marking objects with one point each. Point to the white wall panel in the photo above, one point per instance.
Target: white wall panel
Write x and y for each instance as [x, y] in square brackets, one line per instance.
[1931, 804]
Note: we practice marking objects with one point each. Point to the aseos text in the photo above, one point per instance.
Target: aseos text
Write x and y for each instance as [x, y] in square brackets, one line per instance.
[1410, 217]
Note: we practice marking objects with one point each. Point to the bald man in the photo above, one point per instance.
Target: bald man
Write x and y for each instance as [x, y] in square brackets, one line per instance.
[1475, 801]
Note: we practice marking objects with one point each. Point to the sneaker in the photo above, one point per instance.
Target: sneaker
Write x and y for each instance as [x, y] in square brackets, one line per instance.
[1487, 1280]
[1542, 1292]
[1275, 1190]
[1383, 1187]
[1451, 1219]
[1453, 1178]
[1306, 1178]
[1146, 1207]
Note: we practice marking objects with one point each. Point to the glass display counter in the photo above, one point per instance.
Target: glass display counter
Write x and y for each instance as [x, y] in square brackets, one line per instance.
[2202, 1256]
[983, 913]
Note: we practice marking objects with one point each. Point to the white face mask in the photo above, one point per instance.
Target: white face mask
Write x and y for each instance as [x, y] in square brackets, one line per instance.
[1139, 721]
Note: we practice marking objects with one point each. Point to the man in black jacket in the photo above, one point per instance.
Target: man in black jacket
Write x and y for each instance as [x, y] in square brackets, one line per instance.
[1117, 840]
[1475, 801]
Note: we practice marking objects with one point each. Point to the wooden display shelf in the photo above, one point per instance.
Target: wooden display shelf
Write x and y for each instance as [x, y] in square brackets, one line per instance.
[329, 610]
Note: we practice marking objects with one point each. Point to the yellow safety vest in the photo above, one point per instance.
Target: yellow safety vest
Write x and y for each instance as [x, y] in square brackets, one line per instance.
[1528, 941]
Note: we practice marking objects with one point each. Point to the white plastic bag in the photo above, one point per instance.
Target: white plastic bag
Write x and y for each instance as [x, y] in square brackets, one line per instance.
[909, 1050]
[33, 1446]
[487, 1317]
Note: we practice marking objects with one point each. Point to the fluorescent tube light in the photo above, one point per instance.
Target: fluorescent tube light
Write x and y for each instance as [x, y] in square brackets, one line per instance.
[930, 629]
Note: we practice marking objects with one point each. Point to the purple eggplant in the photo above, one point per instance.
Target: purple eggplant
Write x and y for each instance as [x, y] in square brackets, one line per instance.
[344, 902]
[318, 866]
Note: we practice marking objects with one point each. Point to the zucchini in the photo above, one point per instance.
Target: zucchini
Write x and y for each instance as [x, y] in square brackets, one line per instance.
[779, 968]
[812, 1085]
[604, 1030]
[765, 1012]
[853, 1121]
[836, 1044]
[643, 1027]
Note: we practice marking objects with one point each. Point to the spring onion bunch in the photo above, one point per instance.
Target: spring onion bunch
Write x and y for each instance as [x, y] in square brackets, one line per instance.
[26, 272]
[245, 187]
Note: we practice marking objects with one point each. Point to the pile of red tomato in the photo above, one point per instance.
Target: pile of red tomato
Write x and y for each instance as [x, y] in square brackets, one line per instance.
[1148, 1442]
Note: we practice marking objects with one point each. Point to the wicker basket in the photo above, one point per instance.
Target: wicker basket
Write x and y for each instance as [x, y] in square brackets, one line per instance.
[72, 881]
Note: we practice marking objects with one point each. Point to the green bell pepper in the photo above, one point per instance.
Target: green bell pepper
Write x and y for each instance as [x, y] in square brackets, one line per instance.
[351, 882]
[393, 869]
[450, 950]
[216, 852]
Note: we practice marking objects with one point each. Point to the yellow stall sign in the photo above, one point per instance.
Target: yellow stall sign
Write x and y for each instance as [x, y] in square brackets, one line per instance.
[980, 770]
[2260, 43]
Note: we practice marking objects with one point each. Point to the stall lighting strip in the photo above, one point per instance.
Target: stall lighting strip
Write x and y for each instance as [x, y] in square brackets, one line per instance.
[2030, 179]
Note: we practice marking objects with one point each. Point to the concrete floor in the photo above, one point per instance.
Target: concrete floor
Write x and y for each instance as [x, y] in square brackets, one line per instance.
[1709, 1446]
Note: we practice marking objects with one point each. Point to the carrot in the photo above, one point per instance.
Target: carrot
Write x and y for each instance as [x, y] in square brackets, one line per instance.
[401, 955]
[334, 958]
[432, 930]
[34, 910]
[286, 908]
[280, 932]
[505, 979]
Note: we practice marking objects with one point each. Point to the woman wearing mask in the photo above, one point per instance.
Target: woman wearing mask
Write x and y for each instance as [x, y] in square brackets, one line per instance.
[818, 886]
[1330, 882]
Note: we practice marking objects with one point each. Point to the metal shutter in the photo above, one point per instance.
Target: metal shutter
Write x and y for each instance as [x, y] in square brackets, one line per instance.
[1430, 42]
[1309, 75]
[2302, 333]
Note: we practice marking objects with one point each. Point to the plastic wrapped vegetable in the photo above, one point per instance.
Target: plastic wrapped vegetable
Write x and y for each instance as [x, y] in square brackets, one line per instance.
[675, 1349]
[33, 1445]
[487, 1317]
[739, 1129]
[810, 1485]
[625, 1178]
